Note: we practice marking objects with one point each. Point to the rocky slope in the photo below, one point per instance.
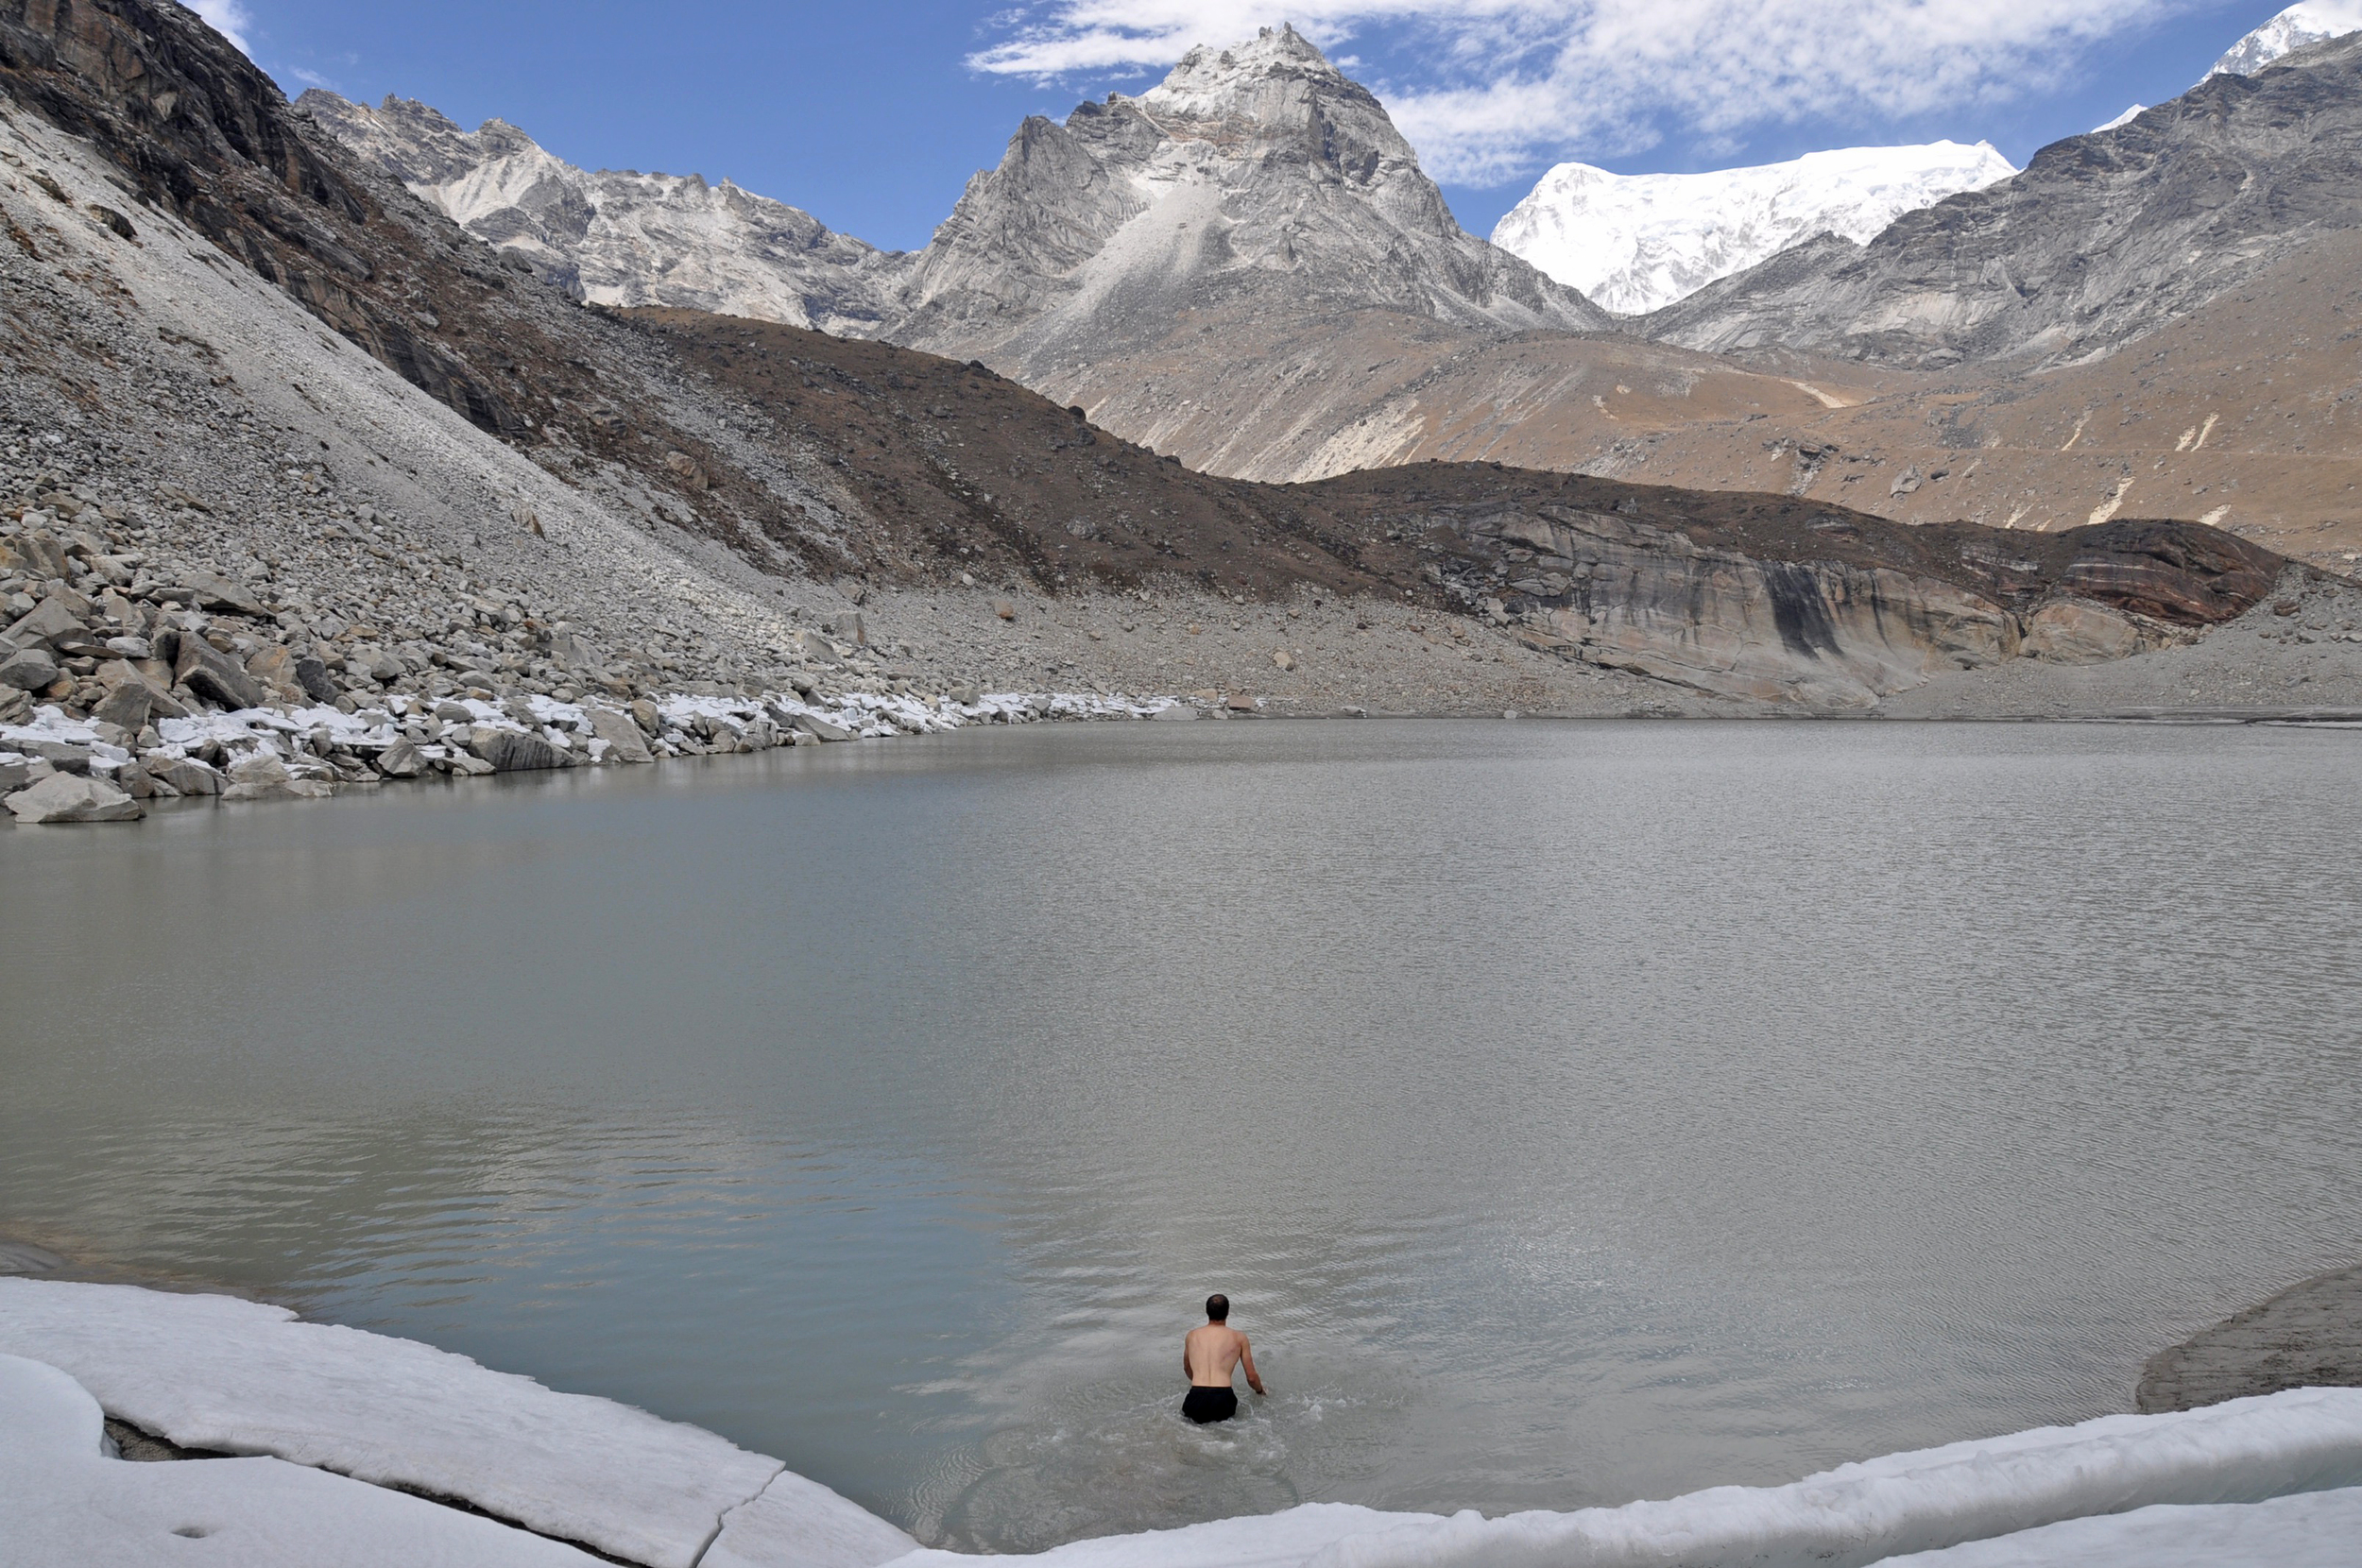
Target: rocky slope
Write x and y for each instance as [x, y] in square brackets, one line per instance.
[1638, 242]
[619, 237]
[2241, 413]
[2102, 240]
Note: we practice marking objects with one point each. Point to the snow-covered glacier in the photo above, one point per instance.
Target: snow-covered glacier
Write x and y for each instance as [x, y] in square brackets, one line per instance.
[1636, 243]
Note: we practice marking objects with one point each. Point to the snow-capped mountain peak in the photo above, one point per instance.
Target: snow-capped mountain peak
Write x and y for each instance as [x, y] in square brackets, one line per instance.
[2310, 22]
[1636, 243]
[1219, 83]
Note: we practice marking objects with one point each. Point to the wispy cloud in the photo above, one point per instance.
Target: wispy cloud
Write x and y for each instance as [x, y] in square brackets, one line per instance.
[312, 79]
[1504, 84]
[228, 18]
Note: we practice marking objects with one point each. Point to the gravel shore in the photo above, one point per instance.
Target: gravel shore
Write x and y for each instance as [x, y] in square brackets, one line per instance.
[2308, 1336]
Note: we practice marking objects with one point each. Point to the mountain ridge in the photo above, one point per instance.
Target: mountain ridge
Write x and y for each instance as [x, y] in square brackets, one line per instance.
[1633, 244]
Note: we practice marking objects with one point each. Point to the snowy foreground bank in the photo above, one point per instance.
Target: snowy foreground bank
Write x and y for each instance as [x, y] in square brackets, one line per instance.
[333, 1419]
[58, 768]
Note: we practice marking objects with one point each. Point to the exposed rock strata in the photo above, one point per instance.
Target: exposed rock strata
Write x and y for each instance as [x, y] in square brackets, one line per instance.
[1839, 626]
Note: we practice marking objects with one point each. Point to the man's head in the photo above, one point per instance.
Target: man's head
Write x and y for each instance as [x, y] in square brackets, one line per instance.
[1216, 1307]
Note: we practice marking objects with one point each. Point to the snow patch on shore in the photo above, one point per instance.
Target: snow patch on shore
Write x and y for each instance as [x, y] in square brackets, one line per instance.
[2314, 1530]
[2274, 1480]
[2244, 1452]
[63, 1500]
[216, 1372]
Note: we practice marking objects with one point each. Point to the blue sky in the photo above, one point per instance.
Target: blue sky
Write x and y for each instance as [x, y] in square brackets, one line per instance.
[873, 115]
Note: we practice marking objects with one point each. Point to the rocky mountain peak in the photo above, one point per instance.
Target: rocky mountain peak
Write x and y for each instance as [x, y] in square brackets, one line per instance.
[1216, 84]
[2307, 23]
[716, 246]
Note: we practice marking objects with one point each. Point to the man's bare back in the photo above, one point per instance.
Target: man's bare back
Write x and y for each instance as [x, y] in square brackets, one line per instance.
[1209, 1356]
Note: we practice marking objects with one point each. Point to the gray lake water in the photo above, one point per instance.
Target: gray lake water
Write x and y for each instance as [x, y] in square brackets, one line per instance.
[1575, 1111]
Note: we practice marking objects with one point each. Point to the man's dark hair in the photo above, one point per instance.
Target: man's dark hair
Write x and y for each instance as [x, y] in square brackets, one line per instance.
[1216, 1307]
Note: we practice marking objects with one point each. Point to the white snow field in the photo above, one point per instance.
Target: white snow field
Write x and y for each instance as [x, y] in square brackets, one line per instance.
[216, 1372]
[62, 1501]
[2251, 1482]
[1638, 242]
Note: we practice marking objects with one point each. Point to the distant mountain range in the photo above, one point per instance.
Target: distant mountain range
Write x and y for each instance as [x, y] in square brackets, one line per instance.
[1638, 242]
[1245, 267]
[1245, 165]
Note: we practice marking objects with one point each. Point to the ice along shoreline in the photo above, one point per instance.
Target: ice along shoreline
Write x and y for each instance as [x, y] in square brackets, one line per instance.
[340, 1424]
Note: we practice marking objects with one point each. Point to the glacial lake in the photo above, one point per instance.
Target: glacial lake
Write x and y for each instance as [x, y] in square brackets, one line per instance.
[1576, 1112]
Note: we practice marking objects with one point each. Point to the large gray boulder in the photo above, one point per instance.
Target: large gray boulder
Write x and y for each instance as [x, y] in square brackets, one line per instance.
[28, 670]
[401, 760]
[129, 703]
[45, 622]
[820, 730]
[188, 776]
[510, 751]
[265, 777]
[621, 731]
[216, 592]
[70, 797]
[214, 676]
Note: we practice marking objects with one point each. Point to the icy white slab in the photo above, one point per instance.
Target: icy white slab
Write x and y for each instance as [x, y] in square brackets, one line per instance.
[216, 1372]
[2314, 1529]
[63, 1501]
[2245, 1451]
[797, 1520]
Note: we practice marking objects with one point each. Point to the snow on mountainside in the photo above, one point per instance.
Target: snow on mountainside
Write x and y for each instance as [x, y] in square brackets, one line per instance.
[2311, 22]
[1636, 243]
[619, 237]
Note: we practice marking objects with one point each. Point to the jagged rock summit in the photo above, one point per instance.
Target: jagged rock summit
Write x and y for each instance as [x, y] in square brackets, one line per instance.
[1638, 242]
[1254, 172]
[618, 236]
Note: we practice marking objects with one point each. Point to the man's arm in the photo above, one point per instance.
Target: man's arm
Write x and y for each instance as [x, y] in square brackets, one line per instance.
[1247, 1359]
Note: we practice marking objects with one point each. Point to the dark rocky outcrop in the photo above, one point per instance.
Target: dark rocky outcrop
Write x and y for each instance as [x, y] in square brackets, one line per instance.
[201, 133]
[1778, 601]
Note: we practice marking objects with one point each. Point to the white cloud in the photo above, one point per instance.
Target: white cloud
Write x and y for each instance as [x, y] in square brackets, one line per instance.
[228, 18]
[1508, 83]
[312, 79]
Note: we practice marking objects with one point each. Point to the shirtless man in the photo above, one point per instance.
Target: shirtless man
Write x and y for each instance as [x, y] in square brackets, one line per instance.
[1208, 1355]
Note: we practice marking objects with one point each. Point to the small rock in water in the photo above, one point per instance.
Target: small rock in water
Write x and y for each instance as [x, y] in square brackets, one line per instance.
[71, 798]
[821, 728]
[188, 776]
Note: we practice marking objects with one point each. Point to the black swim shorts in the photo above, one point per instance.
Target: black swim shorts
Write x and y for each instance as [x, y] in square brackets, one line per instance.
[1209, 1405]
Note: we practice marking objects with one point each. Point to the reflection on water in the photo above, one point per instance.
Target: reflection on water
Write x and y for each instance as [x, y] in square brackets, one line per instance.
[1575, 1111]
